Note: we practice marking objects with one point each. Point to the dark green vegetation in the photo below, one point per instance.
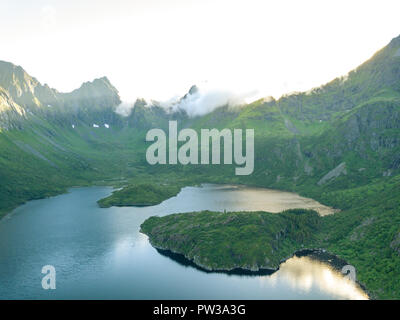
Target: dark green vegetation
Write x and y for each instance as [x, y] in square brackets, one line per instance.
[338, 144]
[139, 195]
[227, 241]
[367, 233]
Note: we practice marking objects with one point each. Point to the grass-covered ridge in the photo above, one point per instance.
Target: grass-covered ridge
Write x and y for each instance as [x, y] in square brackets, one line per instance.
[145, 194]
[231, 240]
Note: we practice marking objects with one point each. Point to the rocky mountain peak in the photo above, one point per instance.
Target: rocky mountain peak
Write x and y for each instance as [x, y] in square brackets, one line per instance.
[18, 83]
[193, 89]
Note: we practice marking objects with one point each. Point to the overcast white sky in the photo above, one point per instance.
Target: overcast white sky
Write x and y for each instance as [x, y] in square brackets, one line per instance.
[159, 48]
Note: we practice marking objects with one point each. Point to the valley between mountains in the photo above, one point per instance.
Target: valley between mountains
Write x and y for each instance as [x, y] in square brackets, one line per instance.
[338, 144]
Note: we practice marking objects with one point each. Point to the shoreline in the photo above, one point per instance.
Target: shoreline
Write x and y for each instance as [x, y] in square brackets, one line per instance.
[7, 212]
[318, 254]
[115, 184]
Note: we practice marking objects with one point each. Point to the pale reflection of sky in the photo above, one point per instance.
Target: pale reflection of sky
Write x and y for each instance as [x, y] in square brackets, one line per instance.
[304, 273]
[100, 253]
[261, 199]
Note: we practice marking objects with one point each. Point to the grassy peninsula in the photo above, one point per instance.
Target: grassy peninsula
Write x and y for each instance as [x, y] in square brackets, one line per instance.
[140, 195]
[234, 240]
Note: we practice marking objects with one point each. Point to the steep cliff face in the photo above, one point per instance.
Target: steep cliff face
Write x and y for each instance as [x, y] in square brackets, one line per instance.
[10, 112]
[367, 139]
[25, 90]
[93, 102]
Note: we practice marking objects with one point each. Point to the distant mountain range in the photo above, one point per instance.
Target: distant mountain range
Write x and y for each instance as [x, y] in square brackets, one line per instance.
[348, 127]
[22, 94]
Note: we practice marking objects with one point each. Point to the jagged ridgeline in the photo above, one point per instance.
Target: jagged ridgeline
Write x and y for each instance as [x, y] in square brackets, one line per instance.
[338, 143]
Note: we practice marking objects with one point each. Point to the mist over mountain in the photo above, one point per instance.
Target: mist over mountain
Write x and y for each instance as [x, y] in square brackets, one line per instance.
[198, 101]
[23, 94]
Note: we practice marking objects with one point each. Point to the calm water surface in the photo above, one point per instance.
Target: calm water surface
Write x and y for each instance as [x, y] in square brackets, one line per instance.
[100, 253]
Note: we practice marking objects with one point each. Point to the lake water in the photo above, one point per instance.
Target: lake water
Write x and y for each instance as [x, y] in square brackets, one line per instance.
[100, 253]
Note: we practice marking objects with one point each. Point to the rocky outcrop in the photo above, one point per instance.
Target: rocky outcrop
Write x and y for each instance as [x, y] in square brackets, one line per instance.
[339, 170]
[291, 127]
[10, 112]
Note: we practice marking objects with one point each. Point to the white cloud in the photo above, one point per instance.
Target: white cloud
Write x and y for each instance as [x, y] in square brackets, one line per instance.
[155, 48]
[205, 99]
[125, 108]
[48, 17]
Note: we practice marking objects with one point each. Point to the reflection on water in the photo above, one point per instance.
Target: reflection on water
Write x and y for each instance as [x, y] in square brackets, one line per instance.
[300, 273]
[100, 253]
[261, 199]
[304, 273]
